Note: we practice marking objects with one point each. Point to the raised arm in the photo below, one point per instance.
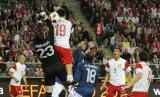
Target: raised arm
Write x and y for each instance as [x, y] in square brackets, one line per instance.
[51, 29]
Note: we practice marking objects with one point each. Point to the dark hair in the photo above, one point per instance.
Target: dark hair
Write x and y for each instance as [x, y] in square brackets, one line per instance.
[118, 48]
[61, 12]
[89, 56]
[144, 56]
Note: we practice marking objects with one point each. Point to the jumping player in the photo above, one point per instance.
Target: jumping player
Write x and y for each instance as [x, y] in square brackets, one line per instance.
[44, 48]
[63, 30]
[17, 73]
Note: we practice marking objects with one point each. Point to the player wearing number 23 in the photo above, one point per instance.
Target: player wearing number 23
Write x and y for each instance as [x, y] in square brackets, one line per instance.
[44, 48]
[86, 75]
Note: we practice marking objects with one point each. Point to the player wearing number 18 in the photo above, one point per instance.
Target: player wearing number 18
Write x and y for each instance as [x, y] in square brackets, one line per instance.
[87, 76]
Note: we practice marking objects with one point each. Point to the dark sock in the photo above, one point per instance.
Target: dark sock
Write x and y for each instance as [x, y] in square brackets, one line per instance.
[48, 94]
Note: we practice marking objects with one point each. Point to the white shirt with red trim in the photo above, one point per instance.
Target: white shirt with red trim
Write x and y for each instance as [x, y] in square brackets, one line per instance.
[142, 85]
[18, 71]
[117, 69]
[62, 32]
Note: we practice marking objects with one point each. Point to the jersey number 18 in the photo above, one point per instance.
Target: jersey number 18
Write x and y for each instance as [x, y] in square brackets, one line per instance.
[91, 75]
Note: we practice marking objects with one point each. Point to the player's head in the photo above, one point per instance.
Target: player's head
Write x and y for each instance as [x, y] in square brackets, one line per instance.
[54, 17]
[21, 59]
[117, 52]
[61, 12]
[144, 56]
[89, 56]
[83, 45]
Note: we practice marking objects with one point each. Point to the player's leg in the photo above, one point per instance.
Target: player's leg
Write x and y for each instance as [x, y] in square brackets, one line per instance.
[48, 91]
[15, 91]
[110, 90]
[49, 82]
[66, 59]
[19, 96]
[69, 72]
[11, 92]
[57, 89]
[12, 95]
[68, 63]
[60, 78]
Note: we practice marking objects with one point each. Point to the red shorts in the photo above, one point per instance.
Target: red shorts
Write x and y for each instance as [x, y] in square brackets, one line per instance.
[65, 54]
[139, 94]
[15, 90]
[111, 90]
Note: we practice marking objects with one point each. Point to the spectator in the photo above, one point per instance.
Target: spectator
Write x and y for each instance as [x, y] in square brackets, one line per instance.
[155, 59]
[126, 55]
[27, 51]
[4, 54]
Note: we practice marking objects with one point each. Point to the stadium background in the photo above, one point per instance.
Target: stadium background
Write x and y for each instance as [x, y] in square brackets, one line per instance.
[133, 25]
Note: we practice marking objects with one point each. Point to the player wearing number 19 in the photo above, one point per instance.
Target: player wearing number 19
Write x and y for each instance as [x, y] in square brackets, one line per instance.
[86, 75]
[63, 30]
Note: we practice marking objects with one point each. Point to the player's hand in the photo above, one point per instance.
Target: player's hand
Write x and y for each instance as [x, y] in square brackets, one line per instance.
[43, 15]
[104, 84]
[126, 87]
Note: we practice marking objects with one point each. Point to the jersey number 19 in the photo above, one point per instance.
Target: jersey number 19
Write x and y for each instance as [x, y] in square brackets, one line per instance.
[60, 30]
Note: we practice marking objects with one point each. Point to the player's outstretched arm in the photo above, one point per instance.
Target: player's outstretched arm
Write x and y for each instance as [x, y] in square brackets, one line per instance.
[135, 79]
[106, 80]
[51, 29]
[25, 80]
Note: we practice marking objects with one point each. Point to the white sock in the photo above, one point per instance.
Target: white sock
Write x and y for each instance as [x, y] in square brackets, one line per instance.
[57, 88]
[70, 78]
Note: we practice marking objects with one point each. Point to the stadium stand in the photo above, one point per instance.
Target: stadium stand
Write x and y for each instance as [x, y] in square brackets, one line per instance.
[133, 25]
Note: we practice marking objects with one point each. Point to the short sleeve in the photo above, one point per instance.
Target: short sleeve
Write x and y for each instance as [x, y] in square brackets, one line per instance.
[107, 68]
[13, 68]
[127, 67]
[138, 68]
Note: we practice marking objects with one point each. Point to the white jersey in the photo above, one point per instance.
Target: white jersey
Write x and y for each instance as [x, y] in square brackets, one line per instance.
[18, 71]
[62, 32]
[142, 85]
[117, 71]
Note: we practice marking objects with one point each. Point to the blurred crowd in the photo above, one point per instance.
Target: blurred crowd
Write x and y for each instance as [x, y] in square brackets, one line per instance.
[133, 25]
[17, 28]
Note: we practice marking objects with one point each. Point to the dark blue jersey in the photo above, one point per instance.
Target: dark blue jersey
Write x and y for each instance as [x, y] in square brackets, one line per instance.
[78, 57]
[86, 75]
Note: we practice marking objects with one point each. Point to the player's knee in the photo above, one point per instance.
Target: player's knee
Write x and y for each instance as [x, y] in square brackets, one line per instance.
[48, 89]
